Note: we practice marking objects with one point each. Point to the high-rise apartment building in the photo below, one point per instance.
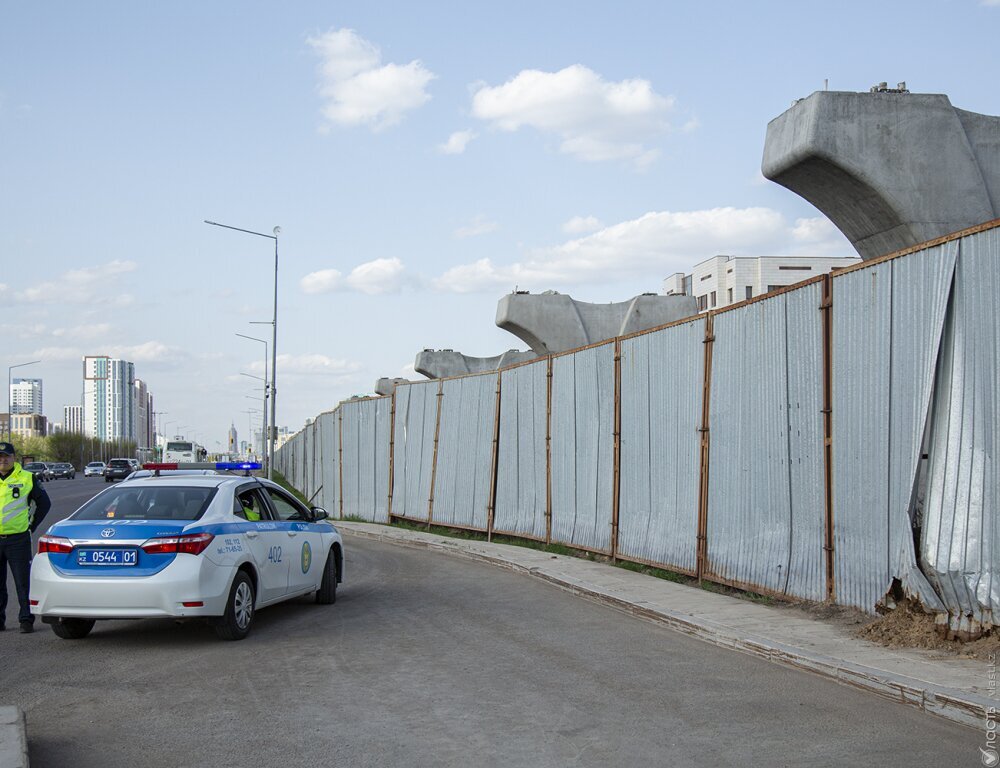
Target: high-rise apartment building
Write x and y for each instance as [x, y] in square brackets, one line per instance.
[73, 418]
[143, 415]
[108, 398]
[26, 396]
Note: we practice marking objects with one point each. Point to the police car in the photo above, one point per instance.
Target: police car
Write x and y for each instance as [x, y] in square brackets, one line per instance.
[219, 546]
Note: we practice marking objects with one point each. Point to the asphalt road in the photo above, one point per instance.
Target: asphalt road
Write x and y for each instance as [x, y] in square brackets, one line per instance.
[428, 660]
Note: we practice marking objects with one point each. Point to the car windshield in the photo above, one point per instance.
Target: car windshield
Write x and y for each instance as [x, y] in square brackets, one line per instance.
[147, 503]
[96, 464]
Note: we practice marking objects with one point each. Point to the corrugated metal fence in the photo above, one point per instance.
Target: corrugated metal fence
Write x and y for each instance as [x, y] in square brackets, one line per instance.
[835, 440]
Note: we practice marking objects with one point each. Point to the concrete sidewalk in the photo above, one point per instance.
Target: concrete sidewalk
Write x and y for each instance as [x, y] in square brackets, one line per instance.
[954, 688]
[13, 739]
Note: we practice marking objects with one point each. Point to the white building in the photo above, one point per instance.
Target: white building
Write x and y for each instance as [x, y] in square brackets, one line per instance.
[73, 418]
[724, 280]
[26, 396]
[108, 398]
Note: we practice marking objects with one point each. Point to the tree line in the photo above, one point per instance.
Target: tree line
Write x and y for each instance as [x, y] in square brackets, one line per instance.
[74, 448]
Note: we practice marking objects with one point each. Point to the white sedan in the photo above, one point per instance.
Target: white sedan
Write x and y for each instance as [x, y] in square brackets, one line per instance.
[217, 546]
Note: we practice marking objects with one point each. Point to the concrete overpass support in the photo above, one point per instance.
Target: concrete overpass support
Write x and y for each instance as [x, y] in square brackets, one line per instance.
[554, 322]
[386, 385]
[442, 363]
[890, 168]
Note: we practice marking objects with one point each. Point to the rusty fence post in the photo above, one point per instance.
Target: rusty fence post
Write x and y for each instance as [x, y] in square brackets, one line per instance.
[392, 448]
[495, 465]
[617, 481]
[340, 457]
[548, 452]
[434, 461]
[702, 551]
[826, 307]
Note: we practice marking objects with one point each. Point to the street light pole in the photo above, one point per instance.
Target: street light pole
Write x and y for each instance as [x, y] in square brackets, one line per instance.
[274, 337]
[10, 415]
[263, 437]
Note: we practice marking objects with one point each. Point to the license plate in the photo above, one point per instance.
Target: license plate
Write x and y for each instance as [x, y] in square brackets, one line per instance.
[107, 557]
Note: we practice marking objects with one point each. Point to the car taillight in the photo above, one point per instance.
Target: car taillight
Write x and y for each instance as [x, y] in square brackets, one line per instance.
[54, 544]
[189, 544]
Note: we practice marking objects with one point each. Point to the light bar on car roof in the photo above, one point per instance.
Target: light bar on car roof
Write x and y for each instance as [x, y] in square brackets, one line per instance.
[239, 465]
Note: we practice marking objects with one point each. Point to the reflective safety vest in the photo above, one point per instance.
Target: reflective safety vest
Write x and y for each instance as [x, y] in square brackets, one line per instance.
[15, 517]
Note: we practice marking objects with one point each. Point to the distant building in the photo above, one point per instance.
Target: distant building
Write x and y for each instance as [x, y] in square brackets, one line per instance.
[108, 398]
[73, 418]
[26, 396]
[28, 425]
[233, 442]
[144, 428]
[724, 280]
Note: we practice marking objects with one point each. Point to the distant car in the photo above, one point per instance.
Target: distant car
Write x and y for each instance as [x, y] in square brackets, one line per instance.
[184, 546]
[94, 469]
[40, 470]
[64, 470]
[117, 469]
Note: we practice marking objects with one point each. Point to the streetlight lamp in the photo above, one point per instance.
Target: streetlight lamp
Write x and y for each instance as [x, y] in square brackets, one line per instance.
[10, 415]
[274, 335]
[263, 438]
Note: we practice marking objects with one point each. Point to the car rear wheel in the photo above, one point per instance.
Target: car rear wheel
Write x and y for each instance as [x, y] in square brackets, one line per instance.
[235, 623]
[327, 592]
[73, 629]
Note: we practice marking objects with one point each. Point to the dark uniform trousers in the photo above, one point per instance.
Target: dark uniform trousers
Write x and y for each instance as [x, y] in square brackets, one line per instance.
[15, 550]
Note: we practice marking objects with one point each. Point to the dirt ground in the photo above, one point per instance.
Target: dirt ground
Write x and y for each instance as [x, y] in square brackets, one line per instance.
[905, 627]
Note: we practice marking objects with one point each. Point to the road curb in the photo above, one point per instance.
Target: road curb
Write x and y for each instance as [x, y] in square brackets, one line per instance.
[13, 738]
[952, 704]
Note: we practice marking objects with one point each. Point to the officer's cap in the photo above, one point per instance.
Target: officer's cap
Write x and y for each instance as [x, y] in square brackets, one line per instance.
[7, 448]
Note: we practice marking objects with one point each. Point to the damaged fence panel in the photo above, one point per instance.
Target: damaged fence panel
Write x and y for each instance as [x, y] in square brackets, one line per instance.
[661, 389]
[582, 447]
[465, 452]
[961, 538]
[413, 449]
[521, 463]
[887, 324]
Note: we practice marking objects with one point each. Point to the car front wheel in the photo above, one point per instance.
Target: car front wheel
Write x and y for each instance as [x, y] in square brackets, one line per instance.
[73, 629]
[327, 592]
[235, 623]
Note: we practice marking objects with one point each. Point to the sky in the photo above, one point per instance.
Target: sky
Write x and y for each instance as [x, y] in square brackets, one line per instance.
[421, 159]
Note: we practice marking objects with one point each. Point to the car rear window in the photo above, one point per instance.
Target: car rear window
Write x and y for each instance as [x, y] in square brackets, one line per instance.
[34, 465]
[147, 503]
[118, 463]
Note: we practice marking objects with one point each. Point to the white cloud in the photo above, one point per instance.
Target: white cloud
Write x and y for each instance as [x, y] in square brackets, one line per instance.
[595, 120]
[653, 245]
[457, 143]
[580, 225]
[80, 286]
[315, 364]
[372, 277]
[358, 89]
[87, 331]
[480, 225]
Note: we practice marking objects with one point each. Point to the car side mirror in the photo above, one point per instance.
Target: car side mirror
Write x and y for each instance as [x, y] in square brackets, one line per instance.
[319, 514]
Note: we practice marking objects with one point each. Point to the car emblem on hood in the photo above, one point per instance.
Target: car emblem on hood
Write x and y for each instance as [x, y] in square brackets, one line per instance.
[107, 533]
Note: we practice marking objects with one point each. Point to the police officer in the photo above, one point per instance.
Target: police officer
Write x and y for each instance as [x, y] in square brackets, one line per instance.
[17, 492]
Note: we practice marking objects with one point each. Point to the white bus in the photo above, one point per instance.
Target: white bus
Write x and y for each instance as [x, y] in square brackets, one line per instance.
[183, 450]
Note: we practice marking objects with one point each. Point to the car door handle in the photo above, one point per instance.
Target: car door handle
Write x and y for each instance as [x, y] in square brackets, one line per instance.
[251, 534]
[293, 533]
